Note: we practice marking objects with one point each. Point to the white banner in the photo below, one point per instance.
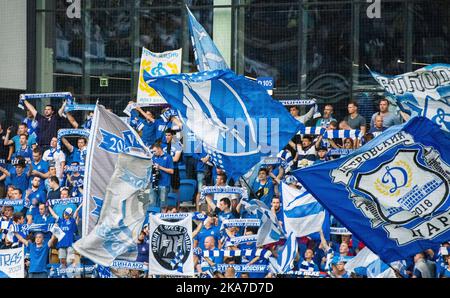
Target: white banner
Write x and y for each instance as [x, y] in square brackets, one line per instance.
[156, 64]
[171, 247]
[12, 263]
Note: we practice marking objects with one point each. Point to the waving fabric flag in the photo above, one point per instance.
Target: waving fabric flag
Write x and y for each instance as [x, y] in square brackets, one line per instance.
[424, 92]
[238, 122]
[270, 230]
[392, 193]
[303, 215]
[286, 257]
[207, 56]
[118, 170]
[109, 136]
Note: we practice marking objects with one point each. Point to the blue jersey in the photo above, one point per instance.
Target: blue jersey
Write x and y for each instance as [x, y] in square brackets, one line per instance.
[174, 148]
[204, 232]
[161, 127]
[69, 227]
[166, 162]
[20, 182]
[26, 153]
[38, 258]
[16, 140]
[77, 155]
[39, 195]
[59, 208]
[265, 190]
[42, 167]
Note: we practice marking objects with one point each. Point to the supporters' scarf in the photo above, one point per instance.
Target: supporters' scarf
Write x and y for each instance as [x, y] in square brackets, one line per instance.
[132, 106]
[339, 231]
[71, 169]
[260, 252]
[79, 107]
[339, 152]
[243, 239]
[180, 216]
[65, 95]
[242, 268]
[331, 134]
[75, 200]
[8, 202]
[308, 273]
[240, 222]
[71, 132]
[242, 191]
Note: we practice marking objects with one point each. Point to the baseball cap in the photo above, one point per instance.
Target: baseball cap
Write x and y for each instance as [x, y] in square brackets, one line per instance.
[68, 211]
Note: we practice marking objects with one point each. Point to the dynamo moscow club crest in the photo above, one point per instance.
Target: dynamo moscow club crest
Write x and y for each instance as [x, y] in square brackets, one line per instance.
[170, 242]
[405, 194]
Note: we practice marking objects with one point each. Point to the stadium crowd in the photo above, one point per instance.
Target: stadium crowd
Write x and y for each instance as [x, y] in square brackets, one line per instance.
[46, 181]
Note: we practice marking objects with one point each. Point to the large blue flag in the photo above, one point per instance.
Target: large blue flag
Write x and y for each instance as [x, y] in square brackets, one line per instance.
[392, 193]
[424, 92]
[235, 118]
[207, 56]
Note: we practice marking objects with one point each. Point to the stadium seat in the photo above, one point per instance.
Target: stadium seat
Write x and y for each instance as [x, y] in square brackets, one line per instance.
[187, 190]
[183, 174]
[172, 199]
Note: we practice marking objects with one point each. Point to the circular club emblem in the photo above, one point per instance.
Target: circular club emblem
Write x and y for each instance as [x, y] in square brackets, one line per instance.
[171, 245]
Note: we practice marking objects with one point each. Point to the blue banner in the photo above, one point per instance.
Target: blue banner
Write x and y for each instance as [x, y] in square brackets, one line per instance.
[238, 122]
[207, 56]
[392, 193]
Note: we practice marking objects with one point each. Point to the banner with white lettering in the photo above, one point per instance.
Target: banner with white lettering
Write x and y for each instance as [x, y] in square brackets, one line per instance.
[12, 263]
[156, 64]
[424, 92]
[171, 247]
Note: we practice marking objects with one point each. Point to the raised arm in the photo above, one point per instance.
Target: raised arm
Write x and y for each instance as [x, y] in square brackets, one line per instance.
[210, 202]
[5, 172]
[72, 120]
[52, 212]
[8, 140]
[52, 241]
[61, 109]
[197, 230]
[31, 108]
[144, 114]
[67, 144]
[177, 122]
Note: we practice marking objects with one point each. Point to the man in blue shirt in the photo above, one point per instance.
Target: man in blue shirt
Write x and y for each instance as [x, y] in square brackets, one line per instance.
[175, 149]
[24, 150]
[147, 125]
[39, 167]
[32, 124]
[17, 176]
[35, 192]
[208, 229]
[223, 210]
[78, 154]
[163, 164]
[38, 255]
[68, 225]
[263, 187]
[22, 130]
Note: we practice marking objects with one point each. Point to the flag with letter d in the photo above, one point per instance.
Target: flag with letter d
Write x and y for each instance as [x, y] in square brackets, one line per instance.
[171, 246]
[392, 193]
[155, 65]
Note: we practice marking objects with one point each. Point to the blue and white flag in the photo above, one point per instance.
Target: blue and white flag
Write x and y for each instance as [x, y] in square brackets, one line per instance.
[371, 265]
[392, 193]
[207, 56]
[424, 92]
[238, 122]
[270, 230]
[12, 263]
[118, 171]
[303, 215]
[110, 137]
[285, 260]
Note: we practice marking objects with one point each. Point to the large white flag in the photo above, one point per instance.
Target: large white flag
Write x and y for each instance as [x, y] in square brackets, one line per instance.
[155, 65]
[109, 137]
[12, 263]
[124, 206]
[171, 247]
[303, 215]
